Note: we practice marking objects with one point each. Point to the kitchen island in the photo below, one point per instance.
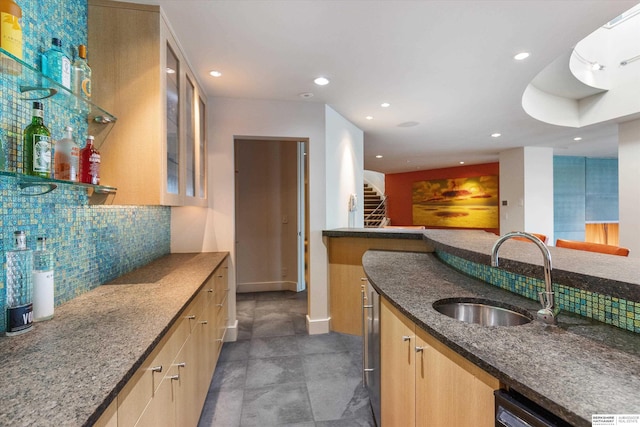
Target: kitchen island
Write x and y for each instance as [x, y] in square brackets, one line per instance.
[67, 371]
[576, 369]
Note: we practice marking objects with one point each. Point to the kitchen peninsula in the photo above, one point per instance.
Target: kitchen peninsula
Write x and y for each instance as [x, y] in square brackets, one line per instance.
[72, 370]
[576, 369]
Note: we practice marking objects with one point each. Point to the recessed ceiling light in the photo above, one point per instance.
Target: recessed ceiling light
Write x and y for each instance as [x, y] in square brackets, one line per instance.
[521, 56]
[496, 135]
[379, 156]
[462, 163]
[305, 95]
[215, 73]
[577, 138]
[385, 104]
[369, 117]
[321, 81]
[170, 70]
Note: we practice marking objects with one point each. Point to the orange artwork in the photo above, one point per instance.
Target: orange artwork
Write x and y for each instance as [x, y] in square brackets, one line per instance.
[458, 203]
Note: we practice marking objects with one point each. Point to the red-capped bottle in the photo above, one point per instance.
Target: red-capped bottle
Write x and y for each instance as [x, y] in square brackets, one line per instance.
[90, 163]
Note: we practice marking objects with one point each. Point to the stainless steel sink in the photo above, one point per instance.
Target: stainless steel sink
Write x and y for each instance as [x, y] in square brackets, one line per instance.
[482, 312]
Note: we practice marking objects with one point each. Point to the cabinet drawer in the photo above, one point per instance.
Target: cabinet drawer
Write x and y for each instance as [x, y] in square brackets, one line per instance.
[144, 384]
[220, 279]
[137, 393]
[196, 309]
[161, 410]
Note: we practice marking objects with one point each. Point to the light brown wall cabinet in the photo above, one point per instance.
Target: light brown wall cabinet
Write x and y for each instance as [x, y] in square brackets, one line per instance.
[157, 154]
[424, 383]
[170, 387]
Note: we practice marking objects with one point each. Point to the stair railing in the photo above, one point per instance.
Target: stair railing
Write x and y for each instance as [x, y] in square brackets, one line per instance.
[379, 210]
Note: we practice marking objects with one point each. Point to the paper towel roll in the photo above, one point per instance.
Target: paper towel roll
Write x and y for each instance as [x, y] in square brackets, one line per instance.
[42, 295]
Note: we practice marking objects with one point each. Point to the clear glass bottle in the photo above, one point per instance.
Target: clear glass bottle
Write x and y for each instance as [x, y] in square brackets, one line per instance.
[66, 157]
[36, 147]
[90, 163]
[56, 64]
[43, 288]
[3, 157]
[82, 74]
[19, 306]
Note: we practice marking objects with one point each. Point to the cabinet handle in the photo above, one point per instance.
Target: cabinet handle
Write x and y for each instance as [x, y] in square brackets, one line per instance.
[210, 290]
[219, 305]
[419, 349]
[181, 365]
[191, 317]
[174, 377]
[406, 338]
[157, 368]
[204, 322]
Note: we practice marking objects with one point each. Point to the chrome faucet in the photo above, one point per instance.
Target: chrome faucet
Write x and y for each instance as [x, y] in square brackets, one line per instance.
[548, 312]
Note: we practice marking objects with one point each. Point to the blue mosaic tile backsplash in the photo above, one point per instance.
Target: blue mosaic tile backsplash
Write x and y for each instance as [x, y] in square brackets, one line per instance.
[91, 244]
[604, 308]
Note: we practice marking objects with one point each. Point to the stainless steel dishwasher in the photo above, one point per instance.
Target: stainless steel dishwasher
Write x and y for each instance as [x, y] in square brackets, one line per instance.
[514, 410]
[371, 346]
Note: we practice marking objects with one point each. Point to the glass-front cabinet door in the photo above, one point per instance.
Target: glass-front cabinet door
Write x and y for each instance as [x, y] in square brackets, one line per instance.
[202, 151]
[186, 151]
[173, 122]
[191, 139]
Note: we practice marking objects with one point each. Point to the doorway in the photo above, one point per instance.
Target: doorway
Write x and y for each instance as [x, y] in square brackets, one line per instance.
[271, 215]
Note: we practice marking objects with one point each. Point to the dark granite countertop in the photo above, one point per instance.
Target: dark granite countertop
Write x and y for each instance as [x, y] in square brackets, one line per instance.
[377, 233]
[606, 274]
[576, 369]
[67, 370]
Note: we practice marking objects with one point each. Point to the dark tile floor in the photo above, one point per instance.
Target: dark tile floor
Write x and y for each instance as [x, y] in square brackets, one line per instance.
[277, 375]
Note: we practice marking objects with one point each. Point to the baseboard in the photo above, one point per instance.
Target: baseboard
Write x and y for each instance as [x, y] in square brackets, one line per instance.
[231, 335]
[317, 326]
[266, 287]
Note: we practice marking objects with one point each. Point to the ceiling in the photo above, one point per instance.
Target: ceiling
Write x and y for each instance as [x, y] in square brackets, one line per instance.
[446, 68]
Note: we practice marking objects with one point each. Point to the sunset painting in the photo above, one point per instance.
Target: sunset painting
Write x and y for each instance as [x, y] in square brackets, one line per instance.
[459, 203]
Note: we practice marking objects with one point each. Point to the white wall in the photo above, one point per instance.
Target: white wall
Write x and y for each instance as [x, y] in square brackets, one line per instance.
[628, 184]
[526, 183]
[213, 229]
[345, 158]
[376, 180]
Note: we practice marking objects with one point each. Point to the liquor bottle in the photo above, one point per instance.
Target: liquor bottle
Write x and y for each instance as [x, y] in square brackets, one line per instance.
[3, 157]
[19, 306]
[43, 289]
[82, 74]
[10, 35]
[90, 163]
[56, 64]
[36, 147]
[66, 157]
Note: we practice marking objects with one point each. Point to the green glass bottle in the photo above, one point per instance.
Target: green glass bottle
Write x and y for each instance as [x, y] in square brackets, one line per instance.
[36, 147]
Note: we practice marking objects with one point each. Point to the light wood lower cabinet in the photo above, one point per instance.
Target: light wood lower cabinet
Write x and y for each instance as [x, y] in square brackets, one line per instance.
[425, 383]
[345, 272]
[397, 364]
[170, 387]
[161, 410]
